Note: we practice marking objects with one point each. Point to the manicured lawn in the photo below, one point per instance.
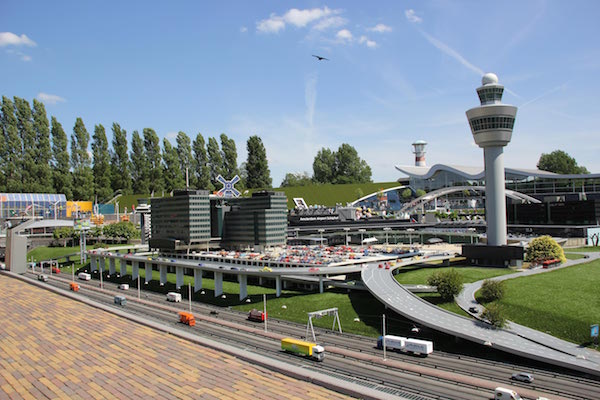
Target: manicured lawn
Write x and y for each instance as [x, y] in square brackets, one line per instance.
[563, 303]
[418, 276]
[574, 256]
[48, 253]
[434, 298]
[585, 249]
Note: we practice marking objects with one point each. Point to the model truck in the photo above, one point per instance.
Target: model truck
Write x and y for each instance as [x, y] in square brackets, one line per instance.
[408, 345]
[303, 348]
[256, 315]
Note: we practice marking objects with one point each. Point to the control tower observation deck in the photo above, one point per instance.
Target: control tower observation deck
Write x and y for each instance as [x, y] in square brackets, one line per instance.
[492, 125]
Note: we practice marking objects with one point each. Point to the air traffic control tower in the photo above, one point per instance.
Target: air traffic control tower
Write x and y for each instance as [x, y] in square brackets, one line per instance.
[492, 125]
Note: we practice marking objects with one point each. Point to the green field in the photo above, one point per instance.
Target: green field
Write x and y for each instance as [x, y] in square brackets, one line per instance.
[563, 303]
[418, 276]
[585, 249]
[573, 256]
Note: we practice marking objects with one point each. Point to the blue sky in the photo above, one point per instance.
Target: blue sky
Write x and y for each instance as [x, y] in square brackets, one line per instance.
[398, 71]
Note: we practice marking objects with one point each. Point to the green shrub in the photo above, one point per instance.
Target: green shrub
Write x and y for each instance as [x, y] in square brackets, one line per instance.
[447, 283]
[495, 315]
[544, 248]
[492, 290]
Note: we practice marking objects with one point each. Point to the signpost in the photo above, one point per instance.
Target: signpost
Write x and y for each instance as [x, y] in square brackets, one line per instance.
[594, 333]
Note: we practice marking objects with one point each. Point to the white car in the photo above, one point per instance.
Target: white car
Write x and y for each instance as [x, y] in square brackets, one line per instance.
[522, 376]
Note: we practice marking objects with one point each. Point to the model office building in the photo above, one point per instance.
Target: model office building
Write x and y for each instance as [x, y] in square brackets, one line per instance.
[186, 220]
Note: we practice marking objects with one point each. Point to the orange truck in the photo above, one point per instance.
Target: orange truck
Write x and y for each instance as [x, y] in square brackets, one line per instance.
[187, 318]
[74, 286]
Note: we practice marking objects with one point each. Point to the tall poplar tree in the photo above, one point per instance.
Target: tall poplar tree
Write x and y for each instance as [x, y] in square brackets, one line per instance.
[186, 160]
[140, 169]
[11, 157]
[215, 161]
[61, 173]
[171, 168]
[201, 164]
[257, 166]
[120, 164]
[2, 153]
[101, 165]
[27, 135]
[83, 179]
[230, 167]
[153, 155]
[42, 151]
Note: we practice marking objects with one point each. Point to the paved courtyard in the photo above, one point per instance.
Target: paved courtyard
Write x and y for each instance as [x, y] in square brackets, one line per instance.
[57, 348]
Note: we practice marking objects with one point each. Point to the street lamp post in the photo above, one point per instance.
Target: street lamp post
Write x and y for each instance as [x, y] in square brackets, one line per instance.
[387, 229]
[346, 230]
[321, 232]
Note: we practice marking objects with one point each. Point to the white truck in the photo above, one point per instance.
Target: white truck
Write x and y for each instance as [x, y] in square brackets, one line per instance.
[84, 276]
[175, 297]
[415, 346]
[501, 393]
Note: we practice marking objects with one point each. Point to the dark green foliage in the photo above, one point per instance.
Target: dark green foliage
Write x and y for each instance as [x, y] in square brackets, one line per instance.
[172, 175]
[154, 159]
[83, 179]
[491, 290]
[215, 161]
[28, 140]
[560, 162]
[229, 153]
[121, 230]
[495, 315]
[186, 161]
[342, 166]
[140, 168]
[257, 167]
[101, 165]
[64, 233]
[420, 192]
[544, 248]
[42, 150]
[120, 164]
[61, 174]
[406, 194]
[298, 179]
[447, 283]
[11, 156]
[202, 171]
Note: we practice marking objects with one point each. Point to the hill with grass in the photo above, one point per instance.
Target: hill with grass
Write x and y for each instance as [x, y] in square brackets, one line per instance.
[321, 194]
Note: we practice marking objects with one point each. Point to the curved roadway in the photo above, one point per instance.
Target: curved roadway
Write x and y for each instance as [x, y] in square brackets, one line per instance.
[381, 283]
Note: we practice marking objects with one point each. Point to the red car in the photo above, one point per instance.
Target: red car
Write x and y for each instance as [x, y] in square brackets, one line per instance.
[55, 270]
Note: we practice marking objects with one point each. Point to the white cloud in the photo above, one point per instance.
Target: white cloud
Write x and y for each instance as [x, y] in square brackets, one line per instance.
[369, 43]
[444, 48]
[380, 28]
[10, 39]
[412, 16]
[344, 35]
[322, 18]
[243, 29]
[50, 98]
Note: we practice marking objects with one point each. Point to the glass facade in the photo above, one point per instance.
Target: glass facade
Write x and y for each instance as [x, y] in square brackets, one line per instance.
[46, 205]
[496, 122]
[185, 216]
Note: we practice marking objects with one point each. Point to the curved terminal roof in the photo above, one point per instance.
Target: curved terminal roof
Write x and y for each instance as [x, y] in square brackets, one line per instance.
[477, 173]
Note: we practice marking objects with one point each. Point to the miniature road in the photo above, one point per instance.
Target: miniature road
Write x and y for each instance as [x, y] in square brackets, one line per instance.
[54, 347]
[381, 283]
[466, 299]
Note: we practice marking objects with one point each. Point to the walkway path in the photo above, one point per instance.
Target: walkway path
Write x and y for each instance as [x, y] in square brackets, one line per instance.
[381, 283]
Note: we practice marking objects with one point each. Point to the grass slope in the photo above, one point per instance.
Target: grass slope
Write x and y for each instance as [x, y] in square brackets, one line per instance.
[418, 276]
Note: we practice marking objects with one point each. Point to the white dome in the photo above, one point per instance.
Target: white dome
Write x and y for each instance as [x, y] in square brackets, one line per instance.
[489, 78]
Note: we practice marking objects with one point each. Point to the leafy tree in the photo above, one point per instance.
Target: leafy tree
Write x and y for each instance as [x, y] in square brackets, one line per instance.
[140, 168]
[201, 163]
[544, 248]
[491, 290]
[447, 283]
[154, 157]
[420, 192]
[296, 179]
[349, 168]
[83, 179]
[215, 161]
[11, 157]
[120, 164]
[42, 150]
[257, 167]
[324, 166]
[65, 233]
[560, 162]
[121, 230]
[186, 161]
[101, 164]
[229, 152]
[171, 168]
[28, 140]
[406, 194]
[495, 315]
[61, 174]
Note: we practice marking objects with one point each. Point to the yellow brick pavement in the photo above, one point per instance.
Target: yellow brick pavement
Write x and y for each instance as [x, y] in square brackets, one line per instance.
[57, 348]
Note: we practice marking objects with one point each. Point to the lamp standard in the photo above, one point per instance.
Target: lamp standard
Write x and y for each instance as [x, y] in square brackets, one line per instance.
[387, 229]
[321, 232]
[346, 230]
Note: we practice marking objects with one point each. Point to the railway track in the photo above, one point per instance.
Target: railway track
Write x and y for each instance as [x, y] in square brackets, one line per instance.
[373, 374]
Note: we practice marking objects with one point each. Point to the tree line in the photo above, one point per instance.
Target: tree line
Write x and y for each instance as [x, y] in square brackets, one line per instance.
[35, 158]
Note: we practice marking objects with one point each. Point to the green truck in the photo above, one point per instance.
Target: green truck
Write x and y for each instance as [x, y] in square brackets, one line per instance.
[303, 348]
